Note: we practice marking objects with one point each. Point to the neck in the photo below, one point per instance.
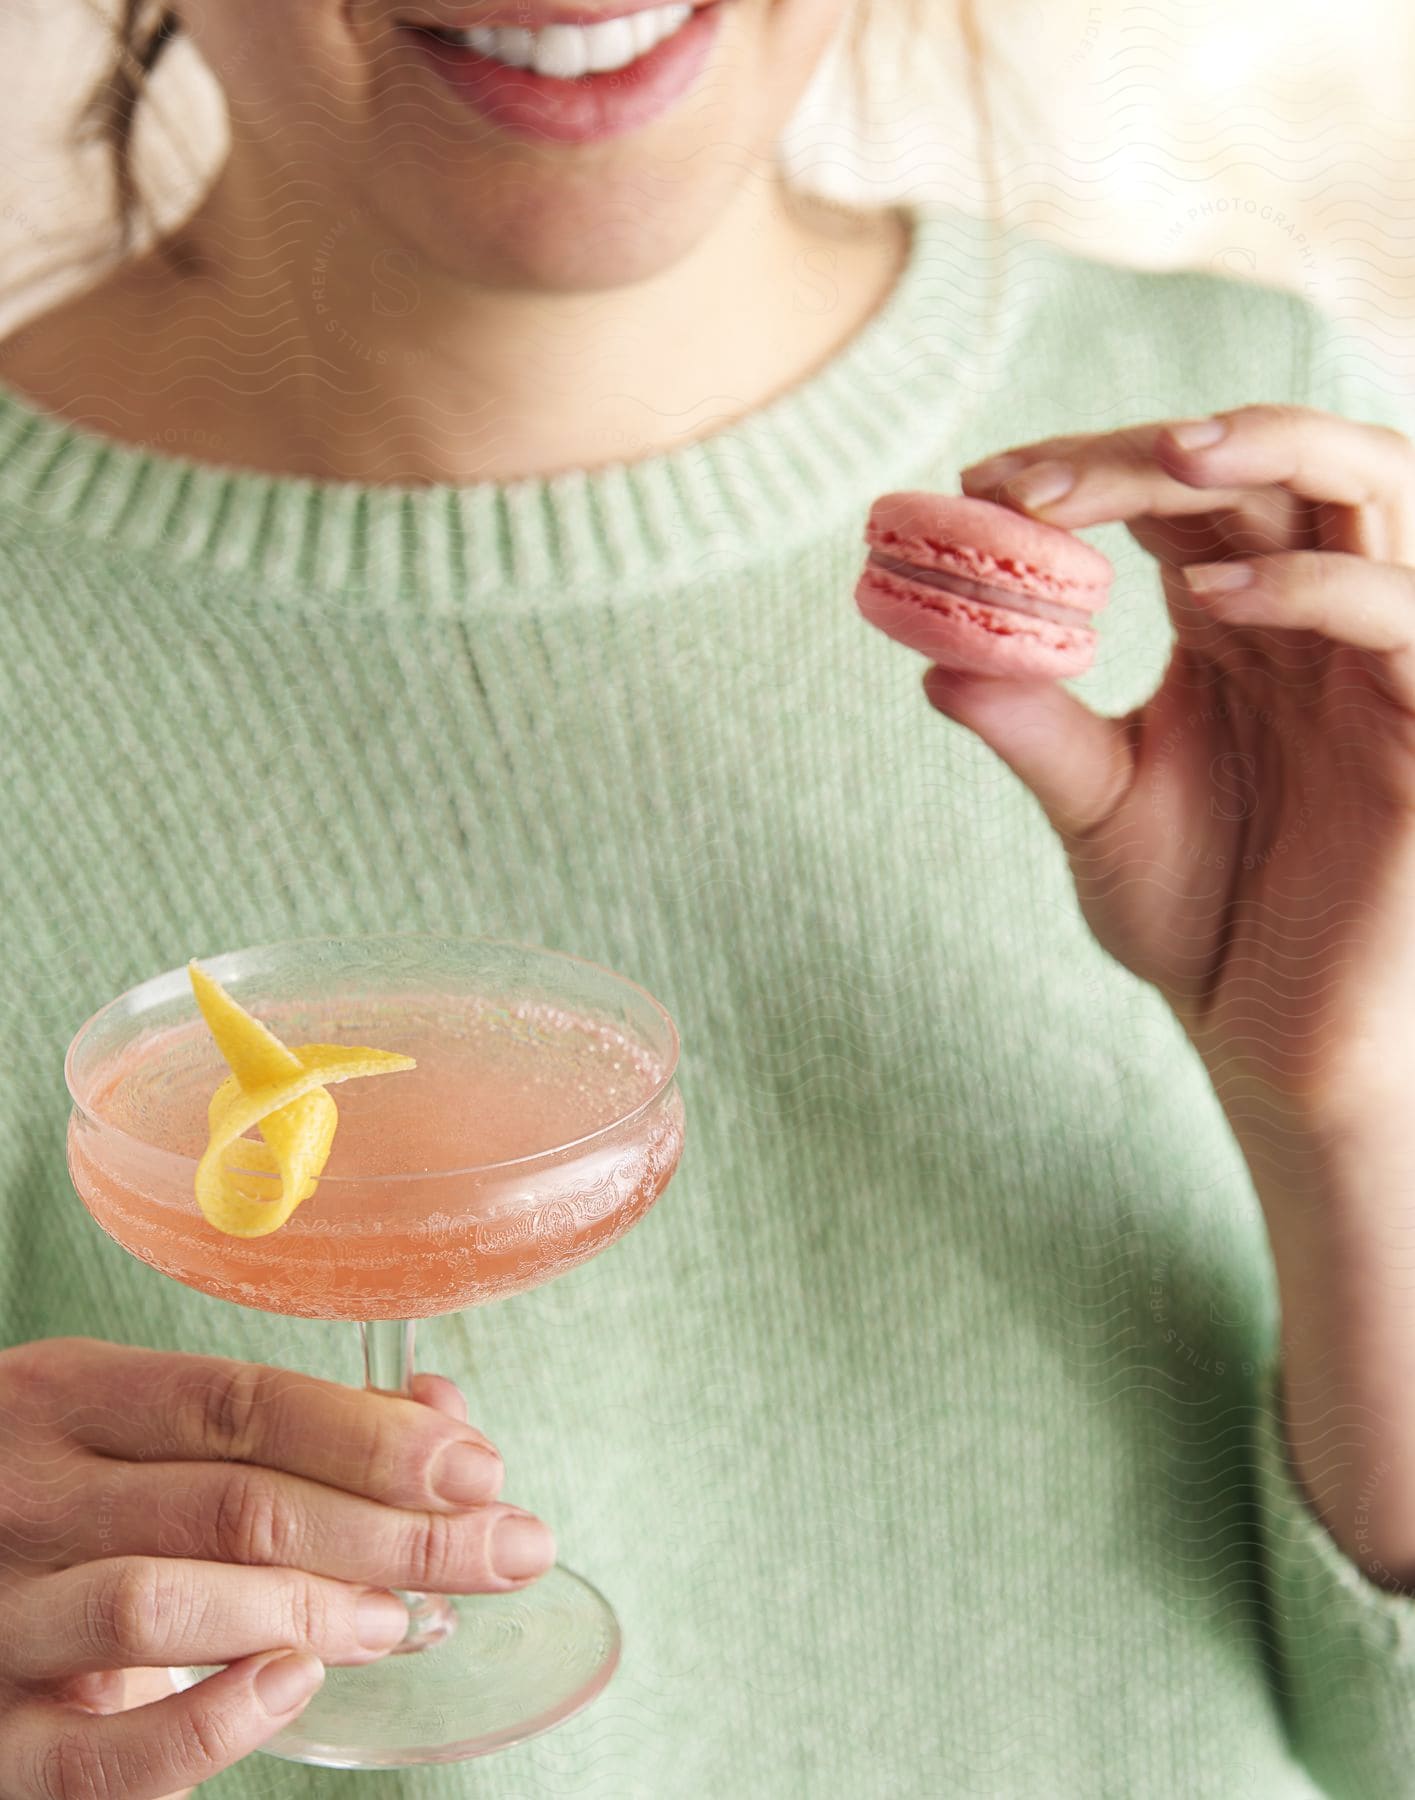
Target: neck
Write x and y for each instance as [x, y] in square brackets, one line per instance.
[330, 352]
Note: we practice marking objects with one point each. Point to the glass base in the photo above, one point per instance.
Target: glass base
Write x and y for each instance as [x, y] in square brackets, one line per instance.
[516, 1665]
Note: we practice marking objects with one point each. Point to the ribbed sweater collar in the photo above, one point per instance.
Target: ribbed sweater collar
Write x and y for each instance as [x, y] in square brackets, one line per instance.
[776, 478]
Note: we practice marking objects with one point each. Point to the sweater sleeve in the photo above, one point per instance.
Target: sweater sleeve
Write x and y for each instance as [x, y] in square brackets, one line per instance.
[1345, 1646]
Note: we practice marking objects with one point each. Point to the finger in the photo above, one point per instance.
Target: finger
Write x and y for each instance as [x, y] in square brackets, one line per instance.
[148, 1405]
[1356, 481]
[1079, 481]
[1263, 523]
[142, 1685]
[1095, 490]
[141, 1612]
[1367, 605]
[52, 1752]
[1318, 455]
[218, 1512]
[1079, 765]
[442, 1395]
[989, 472]
[115, 1690]
[1052, 473]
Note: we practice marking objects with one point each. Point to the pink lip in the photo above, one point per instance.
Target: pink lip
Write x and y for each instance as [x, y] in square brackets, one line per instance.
[584, 111]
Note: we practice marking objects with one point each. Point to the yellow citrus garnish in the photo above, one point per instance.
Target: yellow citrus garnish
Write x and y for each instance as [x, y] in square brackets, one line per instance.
[248, 1187]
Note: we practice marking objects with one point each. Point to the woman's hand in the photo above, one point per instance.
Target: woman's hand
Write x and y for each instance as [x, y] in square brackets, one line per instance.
[1246, 839]
[160, 1509]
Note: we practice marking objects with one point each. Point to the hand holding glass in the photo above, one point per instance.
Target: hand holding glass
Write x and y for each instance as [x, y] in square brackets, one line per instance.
[542, 1121]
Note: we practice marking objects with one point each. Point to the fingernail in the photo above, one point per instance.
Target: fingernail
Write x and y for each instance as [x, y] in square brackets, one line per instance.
[286, 1681]
[521, 1546]
[465, 1473]
[382, 1620]
[1199, 434]
[1220, 578]
[995, 468]
[1042, 484]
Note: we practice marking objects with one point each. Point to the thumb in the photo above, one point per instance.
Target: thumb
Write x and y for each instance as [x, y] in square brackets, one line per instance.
[142, 1685]
[1078, 764]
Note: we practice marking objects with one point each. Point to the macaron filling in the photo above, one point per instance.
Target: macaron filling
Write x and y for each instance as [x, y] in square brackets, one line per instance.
[966, 589]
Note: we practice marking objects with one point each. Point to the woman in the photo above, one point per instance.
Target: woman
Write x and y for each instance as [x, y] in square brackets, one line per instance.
[452, 527]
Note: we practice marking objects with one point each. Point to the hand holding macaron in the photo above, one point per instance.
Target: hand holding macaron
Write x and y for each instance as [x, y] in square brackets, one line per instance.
[1246, 839]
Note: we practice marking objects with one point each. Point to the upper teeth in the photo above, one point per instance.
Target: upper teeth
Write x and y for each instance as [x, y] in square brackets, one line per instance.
[568, 51]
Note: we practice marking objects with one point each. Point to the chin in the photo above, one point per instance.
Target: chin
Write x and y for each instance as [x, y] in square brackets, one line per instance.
[559, 233]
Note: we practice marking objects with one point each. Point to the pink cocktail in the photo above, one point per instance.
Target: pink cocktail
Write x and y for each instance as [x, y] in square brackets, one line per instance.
[542, 1120]
[437, 1194]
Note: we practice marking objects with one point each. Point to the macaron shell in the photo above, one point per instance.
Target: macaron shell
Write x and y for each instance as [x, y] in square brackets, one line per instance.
[991, 544]
[970, 635]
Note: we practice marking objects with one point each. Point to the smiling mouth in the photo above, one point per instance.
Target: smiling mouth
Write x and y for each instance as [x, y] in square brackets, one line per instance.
[562, 49]
[573, 80]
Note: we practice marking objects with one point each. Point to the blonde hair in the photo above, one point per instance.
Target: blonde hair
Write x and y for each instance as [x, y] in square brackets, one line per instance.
[144, 29]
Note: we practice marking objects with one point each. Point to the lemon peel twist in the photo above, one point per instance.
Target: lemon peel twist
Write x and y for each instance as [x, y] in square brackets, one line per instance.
[248, 1187]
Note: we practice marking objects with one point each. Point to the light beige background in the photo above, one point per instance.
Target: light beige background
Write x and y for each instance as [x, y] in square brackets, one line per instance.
[1270, 139]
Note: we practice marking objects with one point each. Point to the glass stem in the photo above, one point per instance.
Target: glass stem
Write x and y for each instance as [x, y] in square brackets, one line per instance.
[388, 1369]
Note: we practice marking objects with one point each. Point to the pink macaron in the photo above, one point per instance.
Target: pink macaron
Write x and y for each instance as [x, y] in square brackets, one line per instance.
[977, 587]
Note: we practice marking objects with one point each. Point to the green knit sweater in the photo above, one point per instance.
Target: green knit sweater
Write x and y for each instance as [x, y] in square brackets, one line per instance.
[923, 1433]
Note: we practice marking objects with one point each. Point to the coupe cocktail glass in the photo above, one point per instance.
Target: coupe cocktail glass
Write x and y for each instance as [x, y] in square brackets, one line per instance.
[542, 1121]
